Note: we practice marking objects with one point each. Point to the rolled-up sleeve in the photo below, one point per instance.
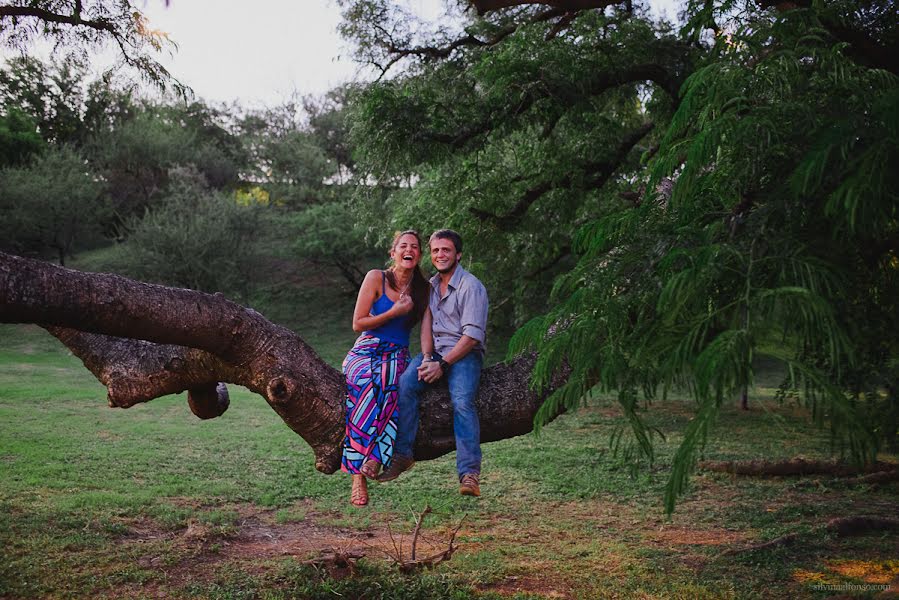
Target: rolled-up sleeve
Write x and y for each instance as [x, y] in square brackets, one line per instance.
[474, 310]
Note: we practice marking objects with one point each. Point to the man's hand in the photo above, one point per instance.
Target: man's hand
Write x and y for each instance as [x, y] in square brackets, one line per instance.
[430, 371]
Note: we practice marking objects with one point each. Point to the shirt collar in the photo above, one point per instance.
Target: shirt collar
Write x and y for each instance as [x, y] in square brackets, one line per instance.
[454, 281]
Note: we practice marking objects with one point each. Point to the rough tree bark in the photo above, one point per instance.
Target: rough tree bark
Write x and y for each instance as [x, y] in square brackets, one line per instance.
[143, 341]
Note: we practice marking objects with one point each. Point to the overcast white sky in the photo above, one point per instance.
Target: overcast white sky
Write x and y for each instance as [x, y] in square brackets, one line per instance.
[260, 52]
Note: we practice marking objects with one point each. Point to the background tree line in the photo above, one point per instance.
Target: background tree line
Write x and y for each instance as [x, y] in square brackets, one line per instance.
[178, 191]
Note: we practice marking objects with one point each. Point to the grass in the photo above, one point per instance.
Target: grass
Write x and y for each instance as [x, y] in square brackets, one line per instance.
[150, 501]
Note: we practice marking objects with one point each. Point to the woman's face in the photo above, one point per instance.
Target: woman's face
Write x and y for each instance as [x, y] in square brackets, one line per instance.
[406, 252]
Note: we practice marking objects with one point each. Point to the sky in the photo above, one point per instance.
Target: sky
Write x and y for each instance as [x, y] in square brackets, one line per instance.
[260, 52]
[253, 52]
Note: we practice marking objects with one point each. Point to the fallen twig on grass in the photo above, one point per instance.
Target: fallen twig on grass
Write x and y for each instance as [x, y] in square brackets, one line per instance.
[414, 563]
[335, 559]
[434, 559]
[841, 527]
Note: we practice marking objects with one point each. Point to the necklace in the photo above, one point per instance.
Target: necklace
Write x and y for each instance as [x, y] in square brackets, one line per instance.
[405, 289]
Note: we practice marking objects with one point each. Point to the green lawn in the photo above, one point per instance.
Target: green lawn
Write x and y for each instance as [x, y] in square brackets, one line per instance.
[152, 502]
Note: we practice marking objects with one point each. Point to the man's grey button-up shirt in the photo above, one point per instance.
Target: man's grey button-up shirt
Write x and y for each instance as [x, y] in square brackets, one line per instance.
[461, 311]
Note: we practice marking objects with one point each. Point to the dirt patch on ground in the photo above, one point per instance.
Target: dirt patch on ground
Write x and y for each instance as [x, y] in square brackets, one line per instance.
[190, 554]
[544, 585]
[260, 537]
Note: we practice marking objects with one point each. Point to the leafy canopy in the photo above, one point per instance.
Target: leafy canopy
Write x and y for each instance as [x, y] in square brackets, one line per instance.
[659, 208]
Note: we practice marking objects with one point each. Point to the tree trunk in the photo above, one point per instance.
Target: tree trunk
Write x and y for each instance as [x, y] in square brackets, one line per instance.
[144, 341]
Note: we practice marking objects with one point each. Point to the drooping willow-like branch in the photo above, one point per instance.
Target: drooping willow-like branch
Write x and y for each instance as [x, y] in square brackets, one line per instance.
[563, 95]
[430, 53]
[598, 173]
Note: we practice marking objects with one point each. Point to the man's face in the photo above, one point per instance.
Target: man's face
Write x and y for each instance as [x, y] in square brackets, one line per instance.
[444, 255]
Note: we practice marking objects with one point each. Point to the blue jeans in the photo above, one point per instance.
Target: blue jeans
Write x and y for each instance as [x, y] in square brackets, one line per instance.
[463, 379]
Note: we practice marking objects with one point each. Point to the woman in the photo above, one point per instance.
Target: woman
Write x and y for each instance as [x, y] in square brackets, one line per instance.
[389, 304]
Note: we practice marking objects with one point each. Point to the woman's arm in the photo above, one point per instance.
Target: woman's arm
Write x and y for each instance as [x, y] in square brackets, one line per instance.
[427, 334]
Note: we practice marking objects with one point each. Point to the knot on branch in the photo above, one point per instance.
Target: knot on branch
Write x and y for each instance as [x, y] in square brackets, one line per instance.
[174, 365]
[209, 402]
[280, 390]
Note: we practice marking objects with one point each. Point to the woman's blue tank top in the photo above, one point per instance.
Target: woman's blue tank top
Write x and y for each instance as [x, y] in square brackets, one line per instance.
[395, 330]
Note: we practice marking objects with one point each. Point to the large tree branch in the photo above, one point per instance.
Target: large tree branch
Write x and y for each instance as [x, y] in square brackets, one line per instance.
[485, 6]
[597, 174]
[469, 40]
[564, 96]
[136, 371]
[143, 341]
[15, 12]
[863, 48]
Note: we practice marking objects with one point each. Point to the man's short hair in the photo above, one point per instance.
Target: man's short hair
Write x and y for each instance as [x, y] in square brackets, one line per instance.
[447, 234]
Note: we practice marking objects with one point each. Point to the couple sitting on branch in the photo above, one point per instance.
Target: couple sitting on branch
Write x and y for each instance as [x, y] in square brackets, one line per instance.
[383, 386]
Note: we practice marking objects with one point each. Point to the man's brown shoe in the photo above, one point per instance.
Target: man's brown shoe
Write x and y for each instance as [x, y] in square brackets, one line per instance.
[398, 465]
[469, 485]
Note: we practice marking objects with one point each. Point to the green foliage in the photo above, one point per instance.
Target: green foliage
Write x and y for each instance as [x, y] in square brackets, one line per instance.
[513, 143]
[137, 156]
[50, 93]
[772, 142]
[197, 238]
[286, 158]
[19, 140]
[50, 205]
[780, 148]
[329, 234]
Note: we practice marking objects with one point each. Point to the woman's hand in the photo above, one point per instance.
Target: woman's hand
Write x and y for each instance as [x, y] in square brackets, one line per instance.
[403, 305]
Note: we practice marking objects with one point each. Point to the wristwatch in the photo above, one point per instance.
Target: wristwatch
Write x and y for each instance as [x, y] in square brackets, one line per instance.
[444, 366]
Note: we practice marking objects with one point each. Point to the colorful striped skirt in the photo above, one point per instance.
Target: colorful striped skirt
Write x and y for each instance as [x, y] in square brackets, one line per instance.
[372, 369]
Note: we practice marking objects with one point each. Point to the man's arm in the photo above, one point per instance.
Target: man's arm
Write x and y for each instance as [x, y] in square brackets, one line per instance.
[431, 371]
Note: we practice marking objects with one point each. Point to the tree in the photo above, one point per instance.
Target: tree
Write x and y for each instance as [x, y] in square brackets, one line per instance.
[517, 129]
[19, 139]
[144, 341]
[670, 200]
[285, 157]
[137, 155]
[195, 237]
[52, 204]
[52, 94]
[78, 25]
[329, 234]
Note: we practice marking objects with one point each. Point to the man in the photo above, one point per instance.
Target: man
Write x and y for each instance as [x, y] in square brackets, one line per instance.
[452, 348]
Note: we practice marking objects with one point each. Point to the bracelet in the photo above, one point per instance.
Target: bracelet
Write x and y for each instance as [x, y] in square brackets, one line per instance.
[444, 366]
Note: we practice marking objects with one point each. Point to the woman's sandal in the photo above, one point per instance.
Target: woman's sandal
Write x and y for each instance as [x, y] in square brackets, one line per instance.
[370, 469]
[359, 493]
